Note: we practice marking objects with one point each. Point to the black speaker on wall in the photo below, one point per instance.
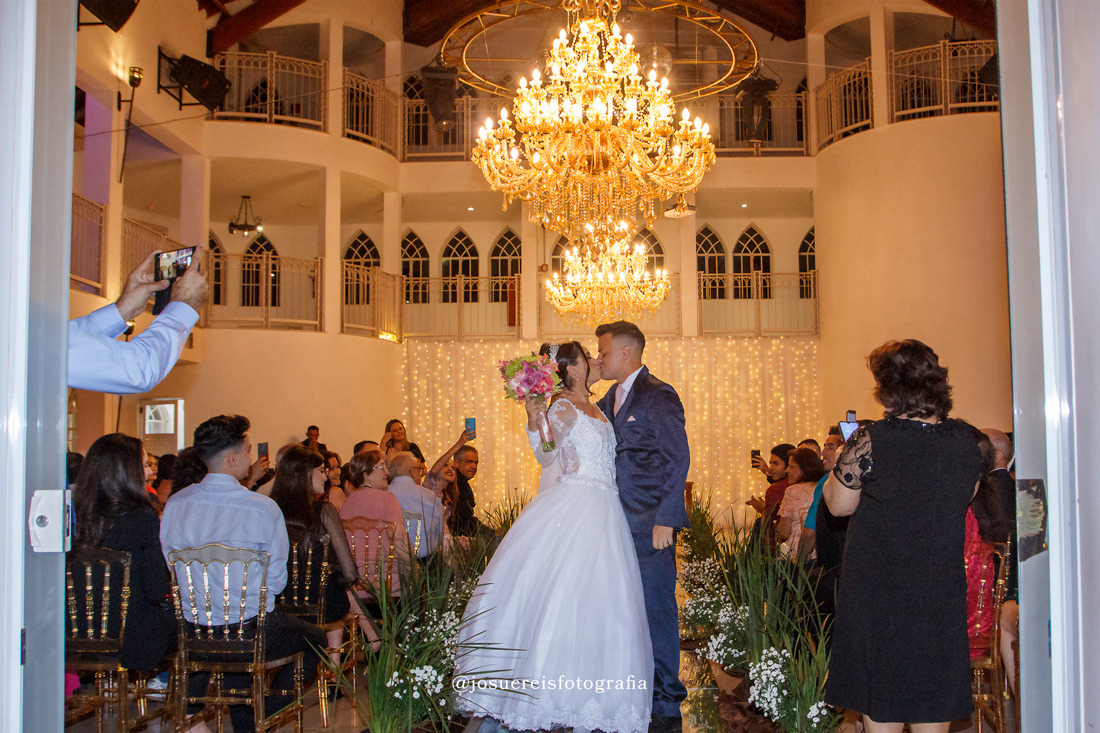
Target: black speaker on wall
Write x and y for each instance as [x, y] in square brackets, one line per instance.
[201, 80]
[113, 13]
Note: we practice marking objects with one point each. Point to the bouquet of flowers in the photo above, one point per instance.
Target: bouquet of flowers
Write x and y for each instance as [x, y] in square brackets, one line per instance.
[532, 375]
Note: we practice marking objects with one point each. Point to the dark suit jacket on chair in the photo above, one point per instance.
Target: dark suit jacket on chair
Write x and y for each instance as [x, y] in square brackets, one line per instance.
[652, 455]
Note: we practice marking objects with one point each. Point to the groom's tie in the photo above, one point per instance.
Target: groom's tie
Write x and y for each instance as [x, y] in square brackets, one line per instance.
[620, 395]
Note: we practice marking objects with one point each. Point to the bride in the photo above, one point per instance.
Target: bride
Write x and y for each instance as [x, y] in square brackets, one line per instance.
[556, 634]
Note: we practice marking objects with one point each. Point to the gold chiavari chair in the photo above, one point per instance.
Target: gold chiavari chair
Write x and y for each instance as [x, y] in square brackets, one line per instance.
[414, 525]
[97, 597]
[304, 597]
[222, 639]
[988, 684]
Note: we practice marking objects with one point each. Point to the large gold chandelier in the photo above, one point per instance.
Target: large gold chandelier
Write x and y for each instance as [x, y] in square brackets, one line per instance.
[595, 143]
[606, 282]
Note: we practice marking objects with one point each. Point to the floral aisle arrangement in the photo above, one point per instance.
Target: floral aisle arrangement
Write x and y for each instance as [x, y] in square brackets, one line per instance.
[752, 612]
[408, 681]
[533, 375]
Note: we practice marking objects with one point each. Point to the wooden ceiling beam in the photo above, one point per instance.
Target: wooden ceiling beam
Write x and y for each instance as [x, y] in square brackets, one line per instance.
[427, 21]
[231, 29]
[979, 14]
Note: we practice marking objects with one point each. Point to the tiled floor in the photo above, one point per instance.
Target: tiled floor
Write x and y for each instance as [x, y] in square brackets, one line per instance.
[700, 710]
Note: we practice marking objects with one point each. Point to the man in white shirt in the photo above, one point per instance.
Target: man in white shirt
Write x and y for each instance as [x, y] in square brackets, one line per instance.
[220, 509]
[405, 470]
[100, 363]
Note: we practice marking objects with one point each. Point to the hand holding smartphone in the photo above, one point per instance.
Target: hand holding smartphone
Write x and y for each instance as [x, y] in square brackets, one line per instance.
[471, 427]
[169, 266]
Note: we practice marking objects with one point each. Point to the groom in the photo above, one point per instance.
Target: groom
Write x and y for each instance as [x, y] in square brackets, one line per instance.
[651, 463]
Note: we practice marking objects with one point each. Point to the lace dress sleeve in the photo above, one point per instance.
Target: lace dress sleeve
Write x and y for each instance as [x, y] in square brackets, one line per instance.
[563, 416]
[855, 463]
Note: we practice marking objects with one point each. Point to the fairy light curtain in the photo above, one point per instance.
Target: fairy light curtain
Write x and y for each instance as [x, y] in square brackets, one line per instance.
[738, 394]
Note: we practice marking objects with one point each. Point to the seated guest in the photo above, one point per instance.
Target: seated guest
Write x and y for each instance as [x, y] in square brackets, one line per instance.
[986, 524]
[162, 484]
[432, 477]
[371, 499]
[220, 509]
[299, 483]
[363, 445]
[812, 444]
[465, 523]
[804, 470]
[312, 441]
[833, 443]
[405, 470]
[112, 510]
[187, 469]
[396, 440]
[334, 492]
[776, 471]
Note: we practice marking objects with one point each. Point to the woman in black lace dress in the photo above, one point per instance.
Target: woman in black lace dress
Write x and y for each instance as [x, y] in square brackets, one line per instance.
[899, 650]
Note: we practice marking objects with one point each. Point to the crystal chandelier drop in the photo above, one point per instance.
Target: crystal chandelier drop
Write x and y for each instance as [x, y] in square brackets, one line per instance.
[607, 281]
[594, 143]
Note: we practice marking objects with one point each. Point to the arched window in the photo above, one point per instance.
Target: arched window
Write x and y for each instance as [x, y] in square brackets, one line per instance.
[417, 118]
[460, 259]
[261, 262]
[807, 266]
[217, 270]
[557, 257]
[710, 258]
[504, 262]
[360, 254]
[751, 255]
[414, 266]
[655, 254]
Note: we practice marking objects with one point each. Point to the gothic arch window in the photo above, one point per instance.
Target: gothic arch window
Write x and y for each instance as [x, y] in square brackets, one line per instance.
[557, 257]
[504, 262]
[360, 254]
[414, 266]
[460, 259]
[217, 270]
[261, 261]
[807, 266]
[655, 254]
[710, 258]
[417, 119]
[751, 255]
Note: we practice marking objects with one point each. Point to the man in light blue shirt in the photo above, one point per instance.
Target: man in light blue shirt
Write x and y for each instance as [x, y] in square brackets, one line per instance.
[405, 468]
[220, 509]
[100, 363]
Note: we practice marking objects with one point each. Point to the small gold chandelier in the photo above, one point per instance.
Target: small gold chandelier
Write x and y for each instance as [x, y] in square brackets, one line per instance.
[606, 282]
[594, 143]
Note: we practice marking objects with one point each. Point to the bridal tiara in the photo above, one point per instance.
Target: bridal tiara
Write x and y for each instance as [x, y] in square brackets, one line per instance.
[554, 352]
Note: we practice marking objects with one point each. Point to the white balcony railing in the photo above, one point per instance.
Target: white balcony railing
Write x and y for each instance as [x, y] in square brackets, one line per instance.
[844, 104]
[423, 141]
[87, 265]
[940, 80]
[758, 304]
[276, 89]
[730, 125]
[461, 307]
[265, 291]
[373, 302]
[665, 321]
[372, 113]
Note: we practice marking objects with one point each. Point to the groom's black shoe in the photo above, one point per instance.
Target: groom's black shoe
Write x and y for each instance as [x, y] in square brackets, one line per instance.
[665, 724]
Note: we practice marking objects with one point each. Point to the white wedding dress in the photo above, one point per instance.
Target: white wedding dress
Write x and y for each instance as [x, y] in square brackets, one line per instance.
[559, 618]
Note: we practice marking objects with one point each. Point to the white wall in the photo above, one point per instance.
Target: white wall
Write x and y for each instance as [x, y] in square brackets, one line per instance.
[911, 244]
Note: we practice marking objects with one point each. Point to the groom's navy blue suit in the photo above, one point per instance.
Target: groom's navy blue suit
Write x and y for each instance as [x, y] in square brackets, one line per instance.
[651, 465]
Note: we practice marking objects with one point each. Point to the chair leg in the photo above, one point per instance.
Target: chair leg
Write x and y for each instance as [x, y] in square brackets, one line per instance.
[299, 673]
[122, 689]
[101, 708]
[322, 698]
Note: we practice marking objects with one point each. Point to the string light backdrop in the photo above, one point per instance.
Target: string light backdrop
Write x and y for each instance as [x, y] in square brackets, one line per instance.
[738, 394]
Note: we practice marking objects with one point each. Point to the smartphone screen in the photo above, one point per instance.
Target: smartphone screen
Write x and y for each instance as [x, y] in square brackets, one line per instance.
[170, 265]
[262, 450]
[847, 428]
[471, 425]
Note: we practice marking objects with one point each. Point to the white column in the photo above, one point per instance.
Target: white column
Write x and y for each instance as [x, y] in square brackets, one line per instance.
[332, 51]
[394, 78]
[103, 125]
[329, 246]
[391, 232]
[882, 43]
[815, 77]
[194, 200]
[689, 291]
[529, 290]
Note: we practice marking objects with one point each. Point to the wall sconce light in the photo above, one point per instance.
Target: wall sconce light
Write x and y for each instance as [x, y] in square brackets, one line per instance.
[135, 82]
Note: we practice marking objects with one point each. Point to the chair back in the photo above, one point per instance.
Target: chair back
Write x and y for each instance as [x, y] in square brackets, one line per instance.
[372, 546]
[414, 525]
[307, 578]
[97, 595]
[215, 580]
